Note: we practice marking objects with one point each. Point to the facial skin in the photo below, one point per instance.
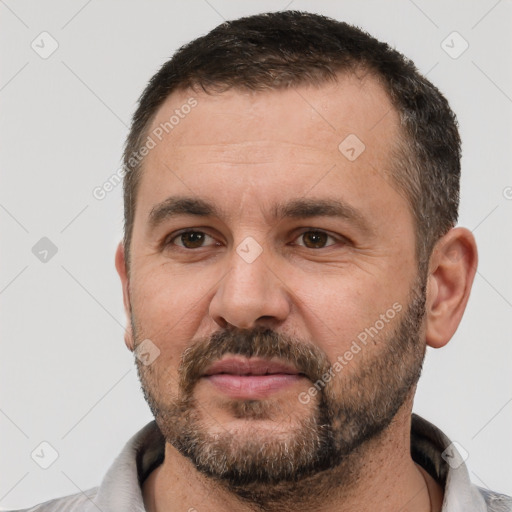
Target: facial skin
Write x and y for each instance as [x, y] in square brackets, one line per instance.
[319, 282]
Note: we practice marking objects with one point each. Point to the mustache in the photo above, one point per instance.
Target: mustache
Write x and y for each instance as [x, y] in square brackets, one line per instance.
[307, 358]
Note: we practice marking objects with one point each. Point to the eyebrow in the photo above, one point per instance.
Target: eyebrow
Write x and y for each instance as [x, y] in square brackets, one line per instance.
[302, 208]
[307, 208]
[179, 205]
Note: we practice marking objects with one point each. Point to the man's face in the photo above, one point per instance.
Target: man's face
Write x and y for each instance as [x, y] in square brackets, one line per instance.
[301, 265]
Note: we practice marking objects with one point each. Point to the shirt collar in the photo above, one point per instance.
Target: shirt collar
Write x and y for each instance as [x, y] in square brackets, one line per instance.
[432, 450]
[121, 488]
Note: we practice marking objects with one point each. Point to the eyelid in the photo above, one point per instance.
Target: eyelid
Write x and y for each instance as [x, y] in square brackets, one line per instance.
[337, 238]
[168, 240]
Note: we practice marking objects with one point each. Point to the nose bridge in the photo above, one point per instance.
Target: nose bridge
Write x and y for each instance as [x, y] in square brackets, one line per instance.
[249, 268]
[249, 293]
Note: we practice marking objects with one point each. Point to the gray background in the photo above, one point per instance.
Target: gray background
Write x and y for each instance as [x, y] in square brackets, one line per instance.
[65, 375]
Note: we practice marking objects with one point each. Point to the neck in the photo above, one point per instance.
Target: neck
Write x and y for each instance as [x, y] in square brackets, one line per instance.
[380, 476]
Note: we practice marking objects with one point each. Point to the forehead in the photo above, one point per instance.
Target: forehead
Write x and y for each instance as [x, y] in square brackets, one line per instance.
[358, 105]
[274, 141]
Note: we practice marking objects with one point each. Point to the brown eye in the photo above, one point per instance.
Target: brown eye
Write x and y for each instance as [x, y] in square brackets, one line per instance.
[315, 239]
[191, 239]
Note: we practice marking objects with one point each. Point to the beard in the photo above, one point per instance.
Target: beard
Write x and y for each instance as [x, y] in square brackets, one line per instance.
[276, 451]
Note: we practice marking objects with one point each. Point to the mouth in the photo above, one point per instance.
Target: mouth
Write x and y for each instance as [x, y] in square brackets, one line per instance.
[251, 378]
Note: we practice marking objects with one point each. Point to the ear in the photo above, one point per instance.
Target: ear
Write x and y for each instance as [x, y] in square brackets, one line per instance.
[451, 272]
[123, 274]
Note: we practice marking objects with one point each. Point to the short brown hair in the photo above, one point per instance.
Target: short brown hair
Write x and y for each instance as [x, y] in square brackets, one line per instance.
[291, 48]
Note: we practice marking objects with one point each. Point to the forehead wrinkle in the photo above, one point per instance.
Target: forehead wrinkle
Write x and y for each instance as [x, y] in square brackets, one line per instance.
[252, 152]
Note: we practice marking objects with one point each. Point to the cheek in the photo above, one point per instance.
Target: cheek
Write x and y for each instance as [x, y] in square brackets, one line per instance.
[339, 311]
[166, 310]
[166, 297]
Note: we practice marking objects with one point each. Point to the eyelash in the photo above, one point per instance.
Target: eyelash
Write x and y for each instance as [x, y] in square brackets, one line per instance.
[169, 240]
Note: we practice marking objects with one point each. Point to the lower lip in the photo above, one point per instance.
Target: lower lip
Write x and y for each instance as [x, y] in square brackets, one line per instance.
[252, 386]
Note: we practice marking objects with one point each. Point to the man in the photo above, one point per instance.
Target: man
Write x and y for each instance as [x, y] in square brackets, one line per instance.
[289, 252]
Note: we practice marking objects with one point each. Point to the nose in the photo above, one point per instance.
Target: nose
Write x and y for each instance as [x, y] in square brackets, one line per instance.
[251, 294]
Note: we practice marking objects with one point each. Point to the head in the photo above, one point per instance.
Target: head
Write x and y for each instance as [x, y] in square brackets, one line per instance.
[290, 199]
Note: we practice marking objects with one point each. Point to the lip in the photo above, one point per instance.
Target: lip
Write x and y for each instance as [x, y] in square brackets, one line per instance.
[250, 366]
[251, 378]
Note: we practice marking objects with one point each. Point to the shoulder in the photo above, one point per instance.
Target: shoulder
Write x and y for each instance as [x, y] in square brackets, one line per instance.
[496, 502]
[79, 502]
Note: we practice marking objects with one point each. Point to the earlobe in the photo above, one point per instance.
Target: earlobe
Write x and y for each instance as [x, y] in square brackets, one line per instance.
[452, 270]
[122, 270]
